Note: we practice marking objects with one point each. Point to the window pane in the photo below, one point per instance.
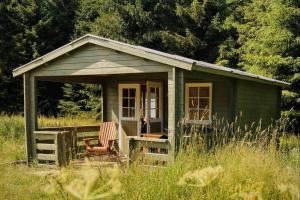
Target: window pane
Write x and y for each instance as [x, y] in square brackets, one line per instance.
[193, 114]
[132, 103]
[204, 92]
[132, 92]
[125, 112]
[157, 103]
[157, 92]
[131, 112]
[203, 103]
[193, 103]
[193, 91]
[125, 92]
[152, 90]
[152, 102]
[154, 113]
[204, 114]
[152, 93]
[125, 102]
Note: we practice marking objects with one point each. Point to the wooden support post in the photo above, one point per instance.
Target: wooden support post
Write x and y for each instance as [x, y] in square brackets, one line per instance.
[179, 108]
[171, 114]
[131, 150]
[30, 115]
[104, 101]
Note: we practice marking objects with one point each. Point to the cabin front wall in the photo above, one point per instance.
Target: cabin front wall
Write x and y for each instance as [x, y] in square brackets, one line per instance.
[95, 64]
[111, 101]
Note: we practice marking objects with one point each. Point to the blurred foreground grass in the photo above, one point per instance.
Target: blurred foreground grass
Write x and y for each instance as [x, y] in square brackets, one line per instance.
[232, 171]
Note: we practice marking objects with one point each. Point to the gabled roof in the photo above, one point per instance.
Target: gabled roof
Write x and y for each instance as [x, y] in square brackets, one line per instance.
[150, 54]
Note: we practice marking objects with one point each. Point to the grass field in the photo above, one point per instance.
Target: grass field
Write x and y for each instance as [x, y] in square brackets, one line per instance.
[232, 171]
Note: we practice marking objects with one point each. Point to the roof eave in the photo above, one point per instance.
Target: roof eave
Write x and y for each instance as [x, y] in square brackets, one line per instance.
[51, 55]
[238, 74]
[115, 45]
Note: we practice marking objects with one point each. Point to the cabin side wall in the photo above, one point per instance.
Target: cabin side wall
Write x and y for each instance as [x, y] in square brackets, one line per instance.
[223, 92]
[257, 101]
[231, 96]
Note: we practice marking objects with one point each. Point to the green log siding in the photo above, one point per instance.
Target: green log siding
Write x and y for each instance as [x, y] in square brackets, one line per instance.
[222, 92]
[257, 101]
[93, 59]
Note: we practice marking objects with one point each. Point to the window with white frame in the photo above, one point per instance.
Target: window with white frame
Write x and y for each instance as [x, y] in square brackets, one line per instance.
[129, 102]
[198, 100]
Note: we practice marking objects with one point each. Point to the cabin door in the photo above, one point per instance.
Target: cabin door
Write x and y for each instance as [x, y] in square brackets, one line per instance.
[154, 111]
[129, 112]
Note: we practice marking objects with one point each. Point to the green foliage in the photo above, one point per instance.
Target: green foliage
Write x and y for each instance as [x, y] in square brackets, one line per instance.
[267, 42]
[259, 36]
[80, 98]
[29, 29]
[189, 28]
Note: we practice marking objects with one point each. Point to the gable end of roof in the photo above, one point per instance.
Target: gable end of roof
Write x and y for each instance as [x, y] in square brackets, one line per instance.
[150, 54]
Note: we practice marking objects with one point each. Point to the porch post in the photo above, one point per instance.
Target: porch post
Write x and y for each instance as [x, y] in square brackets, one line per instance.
[171, 113]
[179, 102]
[104, 101]
[30, 115]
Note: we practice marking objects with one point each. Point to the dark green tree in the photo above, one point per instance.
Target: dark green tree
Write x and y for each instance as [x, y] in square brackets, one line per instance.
[81, 98]
[29, 29]
[267, 43]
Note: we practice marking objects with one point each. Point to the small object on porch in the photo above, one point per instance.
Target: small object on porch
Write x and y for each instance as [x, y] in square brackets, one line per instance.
[155, 135]
[107, 142]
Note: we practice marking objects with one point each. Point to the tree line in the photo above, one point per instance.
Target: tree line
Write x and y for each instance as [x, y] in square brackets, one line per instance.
[258, 36]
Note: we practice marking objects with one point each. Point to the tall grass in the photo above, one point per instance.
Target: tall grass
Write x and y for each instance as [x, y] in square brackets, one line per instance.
[243, 164]
[12, 143]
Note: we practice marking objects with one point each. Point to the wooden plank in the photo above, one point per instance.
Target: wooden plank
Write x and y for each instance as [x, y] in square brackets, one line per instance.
[96, 62]
[41, 146]
[138, 138]
[80, 138]
[50, 56]
[46, 135]
[152, 144]
[250, 77]
[156, 157]
[87, 128]
[171, 113]
[141, 53]
[50, 157]
[99, 69]
[30, 116]
[48, 132]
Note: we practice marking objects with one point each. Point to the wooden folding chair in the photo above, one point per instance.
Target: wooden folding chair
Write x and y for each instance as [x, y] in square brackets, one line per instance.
[107, 142]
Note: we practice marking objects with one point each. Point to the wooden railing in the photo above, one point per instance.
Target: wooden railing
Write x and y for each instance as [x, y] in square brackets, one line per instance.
[56, 146]
[149, 150]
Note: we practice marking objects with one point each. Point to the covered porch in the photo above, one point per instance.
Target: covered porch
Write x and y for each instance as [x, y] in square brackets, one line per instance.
[142, 104]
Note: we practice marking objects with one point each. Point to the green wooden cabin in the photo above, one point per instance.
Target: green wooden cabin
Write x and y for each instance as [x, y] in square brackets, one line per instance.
[147, 91]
